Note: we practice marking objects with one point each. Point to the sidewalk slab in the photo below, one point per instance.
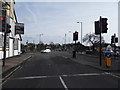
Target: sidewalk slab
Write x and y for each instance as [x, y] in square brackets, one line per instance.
[94, 62]
[13, 62]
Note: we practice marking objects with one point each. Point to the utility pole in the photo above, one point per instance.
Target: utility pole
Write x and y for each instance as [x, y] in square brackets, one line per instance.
[65, 41]
[100, 40]
[81, 30]
[40, 38]
[65, 38]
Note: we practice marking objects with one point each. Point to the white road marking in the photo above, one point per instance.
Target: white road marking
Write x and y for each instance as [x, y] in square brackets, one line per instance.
[11, 73]
[63, 83]
[8, 76]
[86, 74]
[114, 75]
[38, 77]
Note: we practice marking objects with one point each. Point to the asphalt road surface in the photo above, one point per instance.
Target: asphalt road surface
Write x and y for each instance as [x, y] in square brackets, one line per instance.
[53, 70]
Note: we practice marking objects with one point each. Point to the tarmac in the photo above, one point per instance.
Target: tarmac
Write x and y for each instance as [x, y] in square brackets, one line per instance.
[14, 62]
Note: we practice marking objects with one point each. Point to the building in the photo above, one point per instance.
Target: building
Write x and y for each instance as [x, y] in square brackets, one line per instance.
[13, 40]
[119, 23]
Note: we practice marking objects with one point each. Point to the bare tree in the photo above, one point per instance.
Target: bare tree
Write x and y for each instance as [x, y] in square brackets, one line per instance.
[92, 39]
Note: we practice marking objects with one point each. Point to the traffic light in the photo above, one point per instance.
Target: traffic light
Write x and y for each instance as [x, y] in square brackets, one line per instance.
[75, 36]
[2, 20]
[112, 39]
[104, 25]
[116, 39]
[2, 24]
[97, 28]
[8, 28]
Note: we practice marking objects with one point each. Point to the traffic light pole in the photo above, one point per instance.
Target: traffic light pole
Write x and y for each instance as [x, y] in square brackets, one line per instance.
[100, 51]
[100, 41]
[114, 46]
[4, 49]
[74, 52]
[101, 27]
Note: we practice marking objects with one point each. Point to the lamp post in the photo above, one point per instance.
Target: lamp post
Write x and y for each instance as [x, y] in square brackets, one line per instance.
[81, 31]
[72, 34]
[40, 37]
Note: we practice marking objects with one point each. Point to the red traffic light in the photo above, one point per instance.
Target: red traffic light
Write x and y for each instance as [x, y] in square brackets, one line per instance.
[2, 18]
[76, 33]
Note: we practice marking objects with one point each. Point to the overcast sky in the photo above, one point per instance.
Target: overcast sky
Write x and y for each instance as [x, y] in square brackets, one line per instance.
[55, 19]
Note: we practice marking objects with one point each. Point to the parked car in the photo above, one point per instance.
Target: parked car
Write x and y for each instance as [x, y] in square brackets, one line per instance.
[45, 51]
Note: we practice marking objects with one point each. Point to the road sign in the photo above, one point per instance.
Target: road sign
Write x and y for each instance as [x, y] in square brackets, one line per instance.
[108, 54]
[19, 28]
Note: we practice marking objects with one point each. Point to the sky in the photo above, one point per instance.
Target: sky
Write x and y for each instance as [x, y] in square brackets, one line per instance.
[52, 20]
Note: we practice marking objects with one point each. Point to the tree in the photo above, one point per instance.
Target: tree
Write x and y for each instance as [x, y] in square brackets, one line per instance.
[92, 39]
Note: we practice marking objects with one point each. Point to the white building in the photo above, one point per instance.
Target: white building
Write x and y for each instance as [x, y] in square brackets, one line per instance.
[13, 43]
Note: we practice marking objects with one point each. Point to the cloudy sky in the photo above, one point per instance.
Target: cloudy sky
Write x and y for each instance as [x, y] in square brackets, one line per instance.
[55, 19]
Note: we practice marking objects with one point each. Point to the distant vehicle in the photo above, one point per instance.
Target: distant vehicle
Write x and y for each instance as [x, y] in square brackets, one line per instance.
[45, 51]
[117, 53]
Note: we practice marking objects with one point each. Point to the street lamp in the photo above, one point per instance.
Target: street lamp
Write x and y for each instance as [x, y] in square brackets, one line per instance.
[72, 34]
[40, 37]
[65, 38]
[81, 31]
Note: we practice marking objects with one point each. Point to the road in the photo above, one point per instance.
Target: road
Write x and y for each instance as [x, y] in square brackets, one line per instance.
[57, 70]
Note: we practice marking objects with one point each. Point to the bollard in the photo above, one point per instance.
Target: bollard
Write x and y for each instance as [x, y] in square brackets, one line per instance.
[108, 62]
[108, 59]
[74, 54]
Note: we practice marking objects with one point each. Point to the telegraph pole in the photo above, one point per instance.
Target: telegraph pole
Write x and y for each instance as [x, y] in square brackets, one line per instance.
[100, 40]
[81, 31]
[65, 41]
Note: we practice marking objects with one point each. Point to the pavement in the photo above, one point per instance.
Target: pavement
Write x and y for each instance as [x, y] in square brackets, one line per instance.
[94, 61]
[13, 62]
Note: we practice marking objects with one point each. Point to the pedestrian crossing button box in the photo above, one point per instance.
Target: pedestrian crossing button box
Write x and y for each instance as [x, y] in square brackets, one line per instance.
[108, 54]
